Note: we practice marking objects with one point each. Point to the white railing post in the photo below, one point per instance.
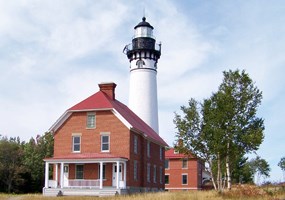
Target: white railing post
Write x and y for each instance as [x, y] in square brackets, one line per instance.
[46, 174]
[56, 174]
[101, 175]
[125, 174]
[61, 175]
[118, 173]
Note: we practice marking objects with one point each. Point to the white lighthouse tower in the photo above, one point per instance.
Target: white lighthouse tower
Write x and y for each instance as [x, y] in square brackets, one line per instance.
[143, 54]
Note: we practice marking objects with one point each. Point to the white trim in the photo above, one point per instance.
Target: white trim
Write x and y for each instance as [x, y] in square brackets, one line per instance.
[183, 174]
[74, 161]
[121, 118]
[60, 121]
[67, 114]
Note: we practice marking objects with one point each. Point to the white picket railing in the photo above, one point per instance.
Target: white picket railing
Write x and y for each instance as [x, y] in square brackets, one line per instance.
[84, 183]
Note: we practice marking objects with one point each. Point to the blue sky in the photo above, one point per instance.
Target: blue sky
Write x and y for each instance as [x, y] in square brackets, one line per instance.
[53, 53]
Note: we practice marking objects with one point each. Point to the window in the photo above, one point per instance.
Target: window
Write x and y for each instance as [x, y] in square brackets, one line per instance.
[140, 63]
[148, 148]
[148, 173]
[160, 153]
[90, 120]
[135, 144]
[185, 163]
[184, 179]
[135, 170]
[166, 178]
[105, 143]
[154, 173]
[78, 171]
[166, 164]
[160, 174]
[76, 143]
[104, 171]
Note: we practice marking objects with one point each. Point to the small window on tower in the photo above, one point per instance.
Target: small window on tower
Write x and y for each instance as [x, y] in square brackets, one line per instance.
[140, 63]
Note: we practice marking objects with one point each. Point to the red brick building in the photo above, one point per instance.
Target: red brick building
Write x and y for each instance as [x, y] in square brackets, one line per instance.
[182, 172]
[102, 147]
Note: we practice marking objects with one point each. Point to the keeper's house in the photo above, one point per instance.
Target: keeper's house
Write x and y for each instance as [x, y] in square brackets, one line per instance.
[102, 148]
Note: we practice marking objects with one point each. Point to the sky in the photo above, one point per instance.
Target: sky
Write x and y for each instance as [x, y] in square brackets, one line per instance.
[53, 54]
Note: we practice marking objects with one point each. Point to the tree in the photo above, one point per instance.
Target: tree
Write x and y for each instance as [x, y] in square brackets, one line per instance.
[281, 164]
[223, 127]
[11, 167]
[260, 167]
[34, 153]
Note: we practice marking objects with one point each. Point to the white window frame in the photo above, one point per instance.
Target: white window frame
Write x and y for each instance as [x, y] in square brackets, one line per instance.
[186, 179]
[135, 144]
[148, 173]
[154, 173]
[73, 143]
[186, 161]
[135, 170]
[91, 124]
[168, 179]
[102, 135]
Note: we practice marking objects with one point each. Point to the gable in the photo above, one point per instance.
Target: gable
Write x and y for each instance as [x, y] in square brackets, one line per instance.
[101, 101]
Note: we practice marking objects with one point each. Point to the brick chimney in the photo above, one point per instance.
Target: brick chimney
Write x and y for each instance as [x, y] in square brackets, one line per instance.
[109, 89]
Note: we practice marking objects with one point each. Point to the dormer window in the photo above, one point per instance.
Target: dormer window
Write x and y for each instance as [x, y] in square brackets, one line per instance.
[90, 120]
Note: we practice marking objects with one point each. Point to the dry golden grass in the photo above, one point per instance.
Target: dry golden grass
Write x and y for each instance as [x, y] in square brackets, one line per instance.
[243, 192]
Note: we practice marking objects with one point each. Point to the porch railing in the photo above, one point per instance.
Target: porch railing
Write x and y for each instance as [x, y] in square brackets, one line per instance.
[84, 183]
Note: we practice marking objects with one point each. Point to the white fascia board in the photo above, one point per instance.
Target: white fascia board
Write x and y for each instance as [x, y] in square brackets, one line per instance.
[81, 161]
[67, 114]
[122, 119]
[60, 121]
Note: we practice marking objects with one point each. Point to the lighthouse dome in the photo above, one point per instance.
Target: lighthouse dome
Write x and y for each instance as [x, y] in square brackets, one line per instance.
[143, 29]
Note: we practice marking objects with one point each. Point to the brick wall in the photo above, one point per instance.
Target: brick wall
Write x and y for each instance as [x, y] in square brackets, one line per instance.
[175, 172]
[121, 145]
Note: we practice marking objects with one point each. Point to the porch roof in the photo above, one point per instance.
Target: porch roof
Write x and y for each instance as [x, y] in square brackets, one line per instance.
[85, 158]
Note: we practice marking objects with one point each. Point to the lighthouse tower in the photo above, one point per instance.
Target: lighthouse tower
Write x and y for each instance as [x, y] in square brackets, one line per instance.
[143, 54]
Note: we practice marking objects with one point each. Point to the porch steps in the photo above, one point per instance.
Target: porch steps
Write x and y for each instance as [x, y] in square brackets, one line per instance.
[82, 192]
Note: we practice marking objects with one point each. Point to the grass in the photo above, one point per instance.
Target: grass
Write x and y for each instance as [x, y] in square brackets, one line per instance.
[240, 192]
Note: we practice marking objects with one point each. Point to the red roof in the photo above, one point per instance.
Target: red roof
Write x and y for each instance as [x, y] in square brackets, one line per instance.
[172, 154]
[100, 100]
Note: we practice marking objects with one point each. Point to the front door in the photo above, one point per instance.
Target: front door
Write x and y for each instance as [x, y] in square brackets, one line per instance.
[65, 176]
[115, 171]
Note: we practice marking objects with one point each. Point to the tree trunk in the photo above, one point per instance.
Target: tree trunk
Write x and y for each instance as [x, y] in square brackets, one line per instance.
[219, 177]
[229, 181]
[212, 176]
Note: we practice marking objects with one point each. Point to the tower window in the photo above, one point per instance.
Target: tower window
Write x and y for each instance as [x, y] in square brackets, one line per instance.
[140, 63]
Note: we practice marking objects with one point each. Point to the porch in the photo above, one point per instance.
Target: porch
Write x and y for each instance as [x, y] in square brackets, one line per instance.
[93, 177]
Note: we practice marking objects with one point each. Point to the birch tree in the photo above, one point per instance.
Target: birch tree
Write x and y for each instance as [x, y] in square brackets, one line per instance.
[224, 126]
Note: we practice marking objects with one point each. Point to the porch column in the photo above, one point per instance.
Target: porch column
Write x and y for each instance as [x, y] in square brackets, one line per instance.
[101, 175]
[125, 174]
[46, 174]
[118, 173]
[61, 174]
[56, 174]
